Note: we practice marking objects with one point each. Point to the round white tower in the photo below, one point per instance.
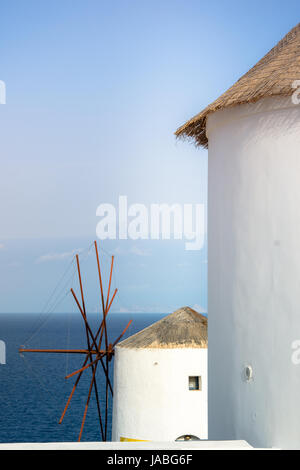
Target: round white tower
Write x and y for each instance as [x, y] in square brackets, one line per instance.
[160, 381]
[253, 137]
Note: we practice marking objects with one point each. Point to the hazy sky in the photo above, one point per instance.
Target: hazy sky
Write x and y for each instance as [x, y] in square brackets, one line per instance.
[95, 90]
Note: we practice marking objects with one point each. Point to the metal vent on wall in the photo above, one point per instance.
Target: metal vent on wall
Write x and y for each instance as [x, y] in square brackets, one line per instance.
[187, 437]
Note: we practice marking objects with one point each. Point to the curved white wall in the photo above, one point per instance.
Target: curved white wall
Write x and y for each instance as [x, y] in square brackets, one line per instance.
[254, 272]
[152, 400]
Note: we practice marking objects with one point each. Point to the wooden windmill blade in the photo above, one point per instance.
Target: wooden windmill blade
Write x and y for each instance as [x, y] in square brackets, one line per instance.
[94, 353]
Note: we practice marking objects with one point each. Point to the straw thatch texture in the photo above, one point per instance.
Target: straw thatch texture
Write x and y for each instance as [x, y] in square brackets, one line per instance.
[271, 76]
[185, 328]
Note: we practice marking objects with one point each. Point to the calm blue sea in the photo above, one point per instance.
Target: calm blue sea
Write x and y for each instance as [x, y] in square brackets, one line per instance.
[33, 389]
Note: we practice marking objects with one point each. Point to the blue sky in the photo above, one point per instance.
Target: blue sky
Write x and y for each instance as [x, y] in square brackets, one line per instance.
[95, 91]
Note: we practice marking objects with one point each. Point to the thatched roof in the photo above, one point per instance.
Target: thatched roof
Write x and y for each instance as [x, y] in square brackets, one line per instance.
[271, 76]
[185, 328]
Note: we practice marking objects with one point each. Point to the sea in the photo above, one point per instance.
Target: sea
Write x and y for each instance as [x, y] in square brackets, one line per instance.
[33, 387]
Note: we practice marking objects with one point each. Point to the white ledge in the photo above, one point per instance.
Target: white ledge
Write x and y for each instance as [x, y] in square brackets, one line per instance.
[195, 445]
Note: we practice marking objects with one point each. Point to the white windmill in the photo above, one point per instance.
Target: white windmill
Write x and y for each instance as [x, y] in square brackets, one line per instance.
[160, 381]
[253, 137]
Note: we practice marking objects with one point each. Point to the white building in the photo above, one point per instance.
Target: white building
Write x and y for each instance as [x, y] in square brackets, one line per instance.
[160, 381]
[253, 136]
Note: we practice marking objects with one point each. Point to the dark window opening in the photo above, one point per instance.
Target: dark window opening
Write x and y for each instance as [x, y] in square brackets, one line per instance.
[195, 383]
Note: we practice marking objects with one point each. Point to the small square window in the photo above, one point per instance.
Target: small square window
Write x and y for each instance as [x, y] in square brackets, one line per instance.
[195, 383]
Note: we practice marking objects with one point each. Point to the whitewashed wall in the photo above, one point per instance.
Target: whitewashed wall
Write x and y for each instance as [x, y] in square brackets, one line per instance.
[152, 400]
[254, 272]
